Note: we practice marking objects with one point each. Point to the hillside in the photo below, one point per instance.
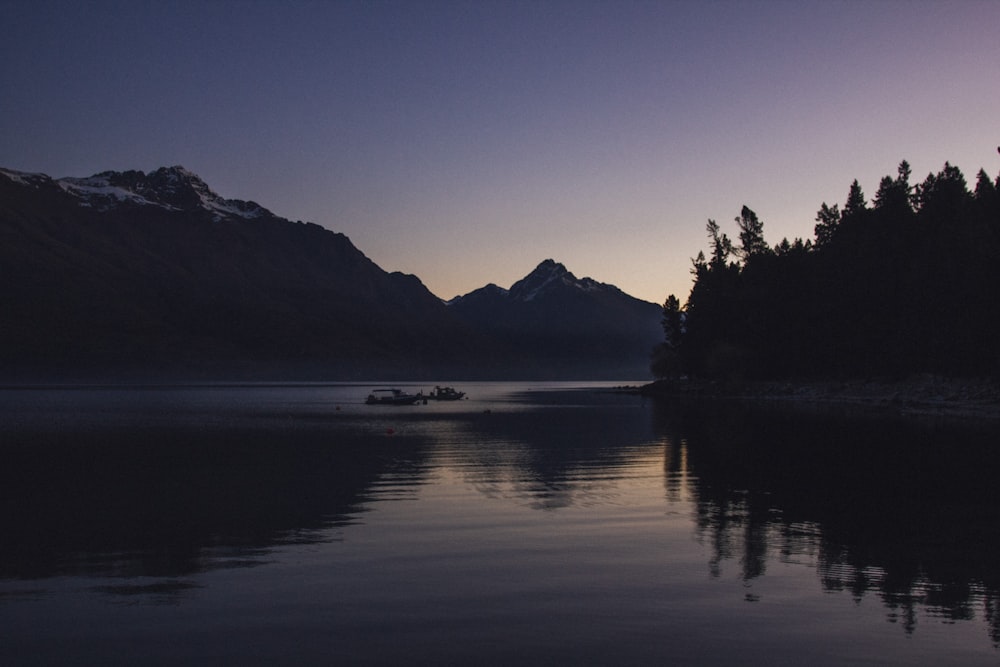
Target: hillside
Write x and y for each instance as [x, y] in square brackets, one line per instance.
[101, 280]
[134, 275]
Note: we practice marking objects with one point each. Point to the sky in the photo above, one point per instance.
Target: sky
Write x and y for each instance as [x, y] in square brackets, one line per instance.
[465, 142]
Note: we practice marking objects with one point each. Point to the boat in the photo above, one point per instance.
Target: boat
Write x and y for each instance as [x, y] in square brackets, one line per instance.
[393, 397]
[446, 394]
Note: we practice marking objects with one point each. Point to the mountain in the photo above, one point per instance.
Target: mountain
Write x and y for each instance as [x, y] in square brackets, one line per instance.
[131, 275]
[560, 321]
[131, 272]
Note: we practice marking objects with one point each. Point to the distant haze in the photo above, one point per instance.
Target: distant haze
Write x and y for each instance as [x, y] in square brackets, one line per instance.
[465, 141]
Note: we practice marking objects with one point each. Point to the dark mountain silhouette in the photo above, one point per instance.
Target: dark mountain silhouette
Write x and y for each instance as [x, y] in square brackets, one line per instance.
[126, 271]
[133, 275]
[562, 319]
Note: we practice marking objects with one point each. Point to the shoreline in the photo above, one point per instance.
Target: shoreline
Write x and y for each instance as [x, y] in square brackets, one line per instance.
[922, 395]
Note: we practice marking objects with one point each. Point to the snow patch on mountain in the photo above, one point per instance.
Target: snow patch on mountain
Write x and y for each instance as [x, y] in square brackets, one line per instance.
[178, 182]
[24, 178]
[548, 278]
[100, 193]
[550, 275]
[170, 188]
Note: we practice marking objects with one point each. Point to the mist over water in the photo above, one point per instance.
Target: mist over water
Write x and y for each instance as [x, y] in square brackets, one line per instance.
[530, 524]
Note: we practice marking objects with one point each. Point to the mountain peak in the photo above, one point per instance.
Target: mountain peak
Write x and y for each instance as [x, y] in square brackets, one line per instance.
[173, 188]
[177, 171]
[548, 275]
[550, 265]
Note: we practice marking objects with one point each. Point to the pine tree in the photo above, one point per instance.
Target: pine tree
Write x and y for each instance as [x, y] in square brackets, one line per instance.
[722, 247]
[752, 243]
[894, 194]
[986, 190]
[855, 205]
[827, 221]
[666, 357]
[673, 323]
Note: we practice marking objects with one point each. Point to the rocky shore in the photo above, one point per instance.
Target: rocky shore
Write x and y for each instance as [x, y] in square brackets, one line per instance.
[919, 395]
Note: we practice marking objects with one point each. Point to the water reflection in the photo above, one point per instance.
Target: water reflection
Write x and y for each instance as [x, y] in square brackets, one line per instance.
[172, 502]
[904, 510]
[552, 458]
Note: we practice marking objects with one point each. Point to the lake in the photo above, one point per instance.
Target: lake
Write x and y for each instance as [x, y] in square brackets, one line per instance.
[533, 523]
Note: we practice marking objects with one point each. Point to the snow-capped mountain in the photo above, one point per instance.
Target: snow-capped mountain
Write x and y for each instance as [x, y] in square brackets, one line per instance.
[566, 319]
[548, 277]
[132, 272]
[126, 270]
[171, 188]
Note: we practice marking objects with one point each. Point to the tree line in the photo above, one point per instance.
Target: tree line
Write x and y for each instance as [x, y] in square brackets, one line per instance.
[905, 284]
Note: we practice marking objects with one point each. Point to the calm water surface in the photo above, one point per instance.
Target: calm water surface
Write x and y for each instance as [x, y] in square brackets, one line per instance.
[531, 524]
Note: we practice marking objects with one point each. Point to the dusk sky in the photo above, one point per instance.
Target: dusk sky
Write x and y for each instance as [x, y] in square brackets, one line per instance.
[465, 142]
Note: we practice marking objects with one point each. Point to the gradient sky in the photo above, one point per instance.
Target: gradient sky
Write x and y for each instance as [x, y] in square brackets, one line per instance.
[465, 142]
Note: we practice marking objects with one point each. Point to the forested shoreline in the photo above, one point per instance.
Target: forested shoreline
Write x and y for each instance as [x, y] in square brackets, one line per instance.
[900, 286]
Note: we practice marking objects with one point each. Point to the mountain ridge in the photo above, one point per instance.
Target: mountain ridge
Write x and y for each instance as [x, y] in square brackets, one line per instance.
[566, 316]
[155, 269]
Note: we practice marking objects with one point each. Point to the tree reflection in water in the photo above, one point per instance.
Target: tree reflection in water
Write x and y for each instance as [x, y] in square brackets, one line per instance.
[904, 509]
[139, 508]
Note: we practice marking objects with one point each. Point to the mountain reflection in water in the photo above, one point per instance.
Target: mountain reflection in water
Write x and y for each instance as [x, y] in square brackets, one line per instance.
[152, 496]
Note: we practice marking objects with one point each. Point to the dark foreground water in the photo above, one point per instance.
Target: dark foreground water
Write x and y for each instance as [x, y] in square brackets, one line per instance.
[531, 524]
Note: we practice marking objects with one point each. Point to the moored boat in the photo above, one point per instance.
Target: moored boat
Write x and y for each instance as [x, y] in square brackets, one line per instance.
[446, 394]
[393, 397]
